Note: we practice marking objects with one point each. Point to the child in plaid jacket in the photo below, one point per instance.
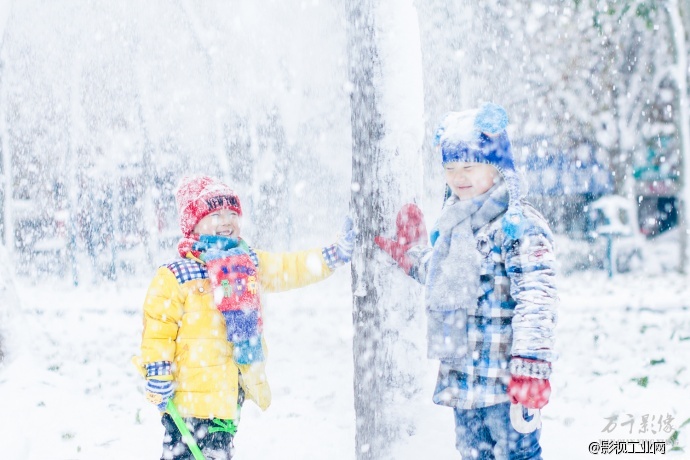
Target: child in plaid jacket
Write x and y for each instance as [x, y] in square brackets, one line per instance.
[490, 292]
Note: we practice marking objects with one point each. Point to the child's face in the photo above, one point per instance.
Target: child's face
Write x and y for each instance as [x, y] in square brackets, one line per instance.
[468, 180]
[222, 222]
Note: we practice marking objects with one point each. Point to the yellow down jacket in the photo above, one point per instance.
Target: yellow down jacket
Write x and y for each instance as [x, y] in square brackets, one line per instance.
[183, 326]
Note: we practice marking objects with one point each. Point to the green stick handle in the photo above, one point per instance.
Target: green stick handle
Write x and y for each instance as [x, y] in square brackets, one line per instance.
[184, 431]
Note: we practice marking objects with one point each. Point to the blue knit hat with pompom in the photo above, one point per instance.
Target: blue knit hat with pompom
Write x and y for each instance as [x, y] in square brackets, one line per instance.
[479, 136]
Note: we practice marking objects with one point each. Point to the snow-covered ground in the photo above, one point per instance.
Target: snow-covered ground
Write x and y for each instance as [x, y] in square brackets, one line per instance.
[69, 391]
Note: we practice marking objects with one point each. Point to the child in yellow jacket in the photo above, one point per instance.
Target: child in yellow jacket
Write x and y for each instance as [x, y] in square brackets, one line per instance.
[202, 342]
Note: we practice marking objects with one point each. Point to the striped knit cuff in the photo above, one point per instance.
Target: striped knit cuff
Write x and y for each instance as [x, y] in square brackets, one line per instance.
[530, 368]
[330, 254]
[159, 369]
[253, 256]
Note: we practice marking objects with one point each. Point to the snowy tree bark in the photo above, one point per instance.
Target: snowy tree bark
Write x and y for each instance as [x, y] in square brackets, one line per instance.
[442, 48]
[9, 309]
[272, 183]
[681, 77]
[76, 126]
[8, 296]
[7, 178]
[8, 221]
[218, 102]
[387, 129]
[145, 118]
[238, 145]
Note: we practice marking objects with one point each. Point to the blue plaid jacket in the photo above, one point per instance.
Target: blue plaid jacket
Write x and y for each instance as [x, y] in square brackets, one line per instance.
[515, 313]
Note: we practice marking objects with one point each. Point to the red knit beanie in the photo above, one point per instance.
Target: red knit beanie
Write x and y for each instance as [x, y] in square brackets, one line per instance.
[199, 196]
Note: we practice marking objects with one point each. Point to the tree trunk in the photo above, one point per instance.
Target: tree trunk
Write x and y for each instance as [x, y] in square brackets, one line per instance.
[272, 203]
[10, 324]
[680, 75]
[9, 301]
[8, 183]
[148, 171]
[387, 131]
[8, 221]
[75, 126]
[218, 100]
[441, 46]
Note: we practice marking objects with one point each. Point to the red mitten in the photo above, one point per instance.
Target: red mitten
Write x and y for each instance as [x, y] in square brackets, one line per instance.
[410, 231]
[529, 382]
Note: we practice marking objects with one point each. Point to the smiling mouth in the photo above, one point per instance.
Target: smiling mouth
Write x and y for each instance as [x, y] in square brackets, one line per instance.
[225, 233]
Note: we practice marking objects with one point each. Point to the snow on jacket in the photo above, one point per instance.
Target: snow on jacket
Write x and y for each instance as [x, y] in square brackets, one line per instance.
[182, 325]
[515, 314]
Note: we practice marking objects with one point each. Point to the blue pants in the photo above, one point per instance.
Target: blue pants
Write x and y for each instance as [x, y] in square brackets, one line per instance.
[487, 434]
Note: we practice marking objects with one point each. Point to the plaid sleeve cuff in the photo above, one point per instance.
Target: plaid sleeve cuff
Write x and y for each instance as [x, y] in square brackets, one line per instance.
[161, 370]
[530, 368]
[330, 254]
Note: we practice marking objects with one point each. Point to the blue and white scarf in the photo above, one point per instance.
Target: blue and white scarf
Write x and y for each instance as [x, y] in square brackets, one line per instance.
[452, 284]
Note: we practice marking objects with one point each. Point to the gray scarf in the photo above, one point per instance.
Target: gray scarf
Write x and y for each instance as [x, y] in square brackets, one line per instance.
[452, 283]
